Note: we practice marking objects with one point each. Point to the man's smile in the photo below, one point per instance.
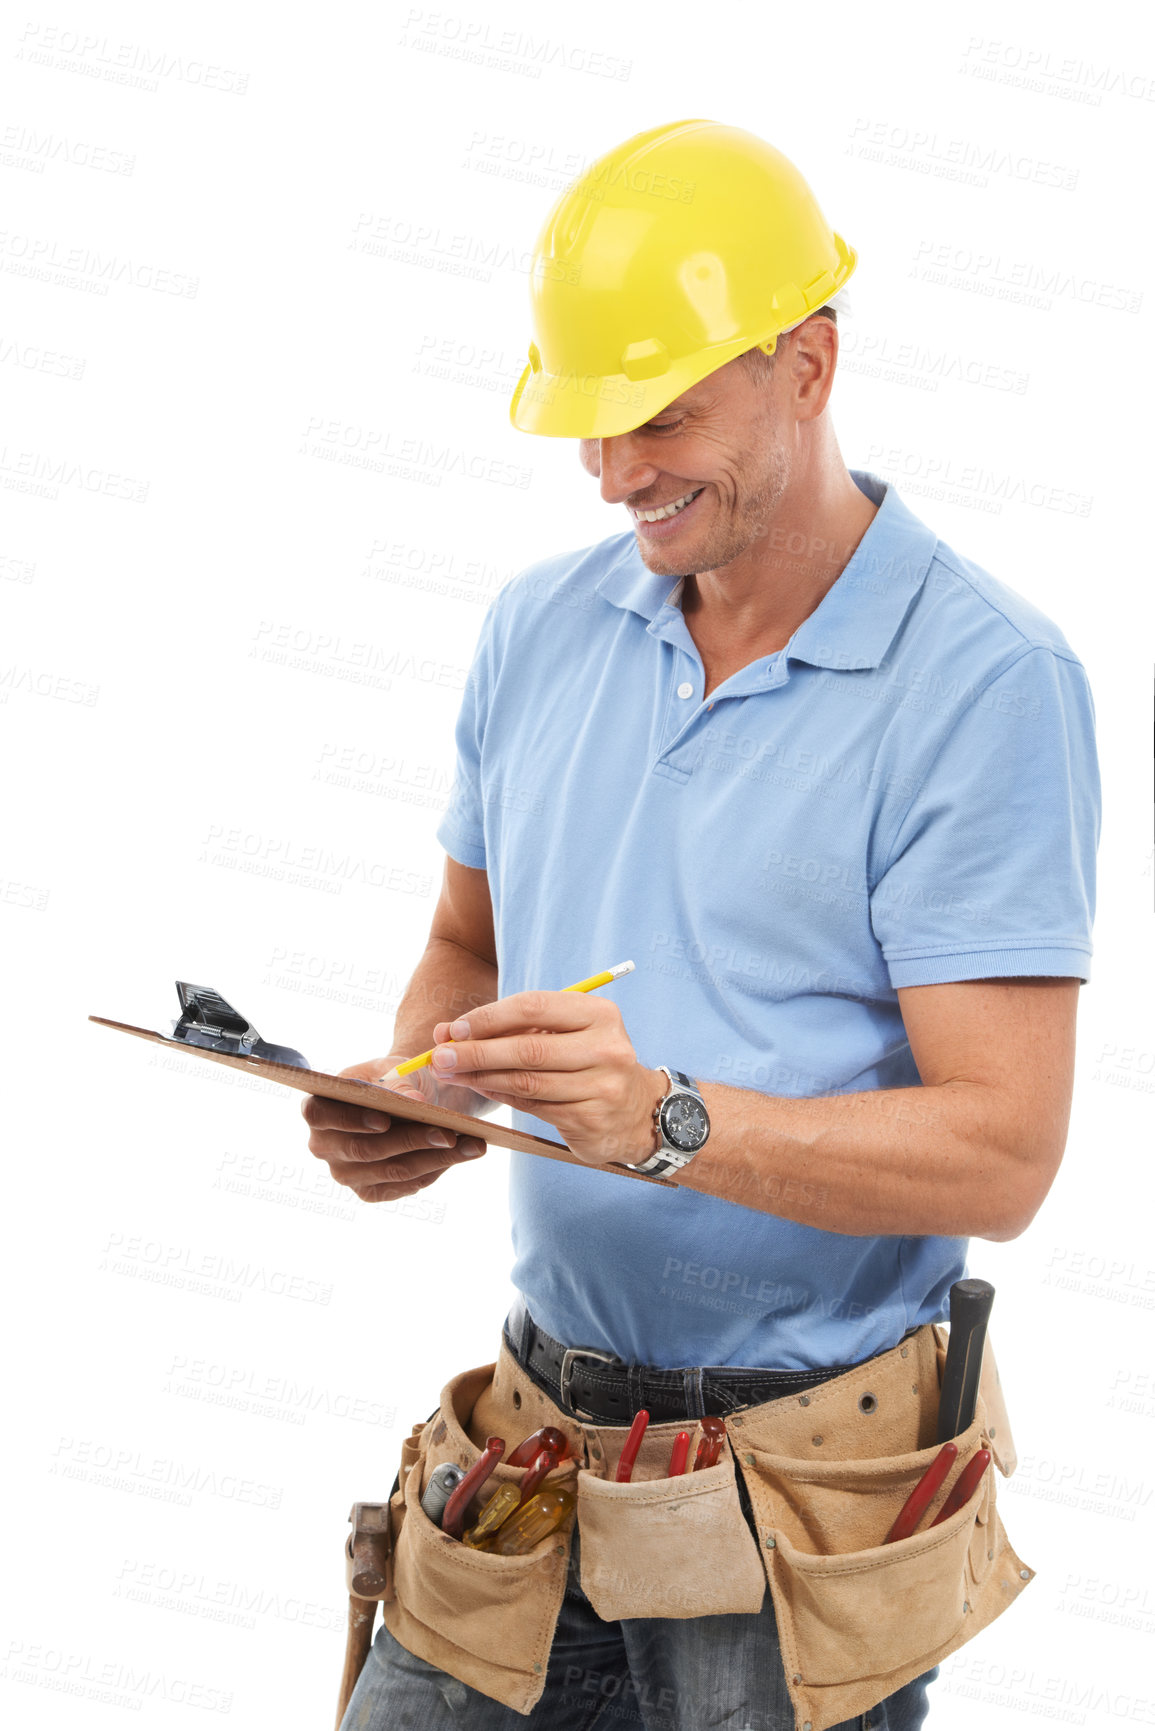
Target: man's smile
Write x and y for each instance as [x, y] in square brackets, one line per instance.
[657, 520]
[654, 513]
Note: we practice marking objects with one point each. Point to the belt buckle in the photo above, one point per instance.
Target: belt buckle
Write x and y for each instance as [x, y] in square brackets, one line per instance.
[566, 1374]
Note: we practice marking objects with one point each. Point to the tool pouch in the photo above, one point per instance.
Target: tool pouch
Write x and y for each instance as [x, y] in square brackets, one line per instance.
[485, 1619]
[827, 1472]
[662, 1547]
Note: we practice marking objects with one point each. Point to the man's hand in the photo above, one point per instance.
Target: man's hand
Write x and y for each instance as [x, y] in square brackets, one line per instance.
[382, 1159]
[564, 1057]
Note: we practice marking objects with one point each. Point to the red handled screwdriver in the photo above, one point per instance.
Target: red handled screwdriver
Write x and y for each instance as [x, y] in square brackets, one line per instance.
[710, 1447]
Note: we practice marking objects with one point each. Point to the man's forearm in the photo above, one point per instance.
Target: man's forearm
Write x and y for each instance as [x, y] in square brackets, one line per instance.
[448, 981]
[932, 1160]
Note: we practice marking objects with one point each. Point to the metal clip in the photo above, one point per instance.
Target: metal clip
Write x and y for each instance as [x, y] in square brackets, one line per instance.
[208, 1020]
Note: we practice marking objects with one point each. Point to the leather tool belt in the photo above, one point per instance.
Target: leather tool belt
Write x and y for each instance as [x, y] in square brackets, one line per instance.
[825, 1470]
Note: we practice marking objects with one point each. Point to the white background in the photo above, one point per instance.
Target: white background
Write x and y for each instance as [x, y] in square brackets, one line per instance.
[264, 289]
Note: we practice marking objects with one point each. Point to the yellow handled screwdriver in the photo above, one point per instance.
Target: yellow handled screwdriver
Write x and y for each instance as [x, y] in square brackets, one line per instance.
[534, 1520]
[590, 985]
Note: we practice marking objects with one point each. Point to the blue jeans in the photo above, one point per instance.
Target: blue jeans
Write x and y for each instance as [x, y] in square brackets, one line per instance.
[644, 1674]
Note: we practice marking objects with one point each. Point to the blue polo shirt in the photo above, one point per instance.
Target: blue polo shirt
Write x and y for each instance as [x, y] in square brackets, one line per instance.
[906, 794]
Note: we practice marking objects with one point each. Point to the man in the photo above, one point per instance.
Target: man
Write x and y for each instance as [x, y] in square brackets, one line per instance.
[833, 787]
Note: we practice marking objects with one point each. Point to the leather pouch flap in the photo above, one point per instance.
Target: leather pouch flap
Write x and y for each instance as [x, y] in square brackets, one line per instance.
[667, 1547]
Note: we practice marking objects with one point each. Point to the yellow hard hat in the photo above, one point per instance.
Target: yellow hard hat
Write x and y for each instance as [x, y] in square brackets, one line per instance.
[670, 255]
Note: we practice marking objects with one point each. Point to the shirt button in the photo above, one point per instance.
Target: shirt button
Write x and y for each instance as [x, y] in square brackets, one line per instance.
[685, 689]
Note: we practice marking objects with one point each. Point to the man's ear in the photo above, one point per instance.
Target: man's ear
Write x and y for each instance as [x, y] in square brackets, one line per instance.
[811, 359]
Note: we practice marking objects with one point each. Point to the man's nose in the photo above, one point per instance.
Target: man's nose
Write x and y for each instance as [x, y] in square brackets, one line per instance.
[624, 468]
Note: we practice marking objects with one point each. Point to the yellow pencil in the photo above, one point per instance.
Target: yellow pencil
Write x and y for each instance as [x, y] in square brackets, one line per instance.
[590, 985]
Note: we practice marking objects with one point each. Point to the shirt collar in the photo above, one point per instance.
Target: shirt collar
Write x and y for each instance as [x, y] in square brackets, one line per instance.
[855, 623]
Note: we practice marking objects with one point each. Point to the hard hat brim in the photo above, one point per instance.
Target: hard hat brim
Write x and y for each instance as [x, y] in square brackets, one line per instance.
[573, 406]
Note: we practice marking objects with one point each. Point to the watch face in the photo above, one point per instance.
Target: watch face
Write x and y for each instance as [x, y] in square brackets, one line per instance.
[685, 1123]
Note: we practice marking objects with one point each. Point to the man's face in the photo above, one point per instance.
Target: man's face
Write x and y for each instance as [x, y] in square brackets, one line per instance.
[722, 443]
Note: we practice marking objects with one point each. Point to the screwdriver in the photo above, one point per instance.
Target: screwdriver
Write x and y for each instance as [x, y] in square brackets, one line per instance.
[710, 1447]
[532, 1522]
[506, 1499]
[498, 1508]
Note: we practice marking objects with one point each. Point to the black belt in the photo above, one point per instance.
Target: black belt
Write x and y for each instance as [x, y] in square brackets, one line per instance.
[588, 1383]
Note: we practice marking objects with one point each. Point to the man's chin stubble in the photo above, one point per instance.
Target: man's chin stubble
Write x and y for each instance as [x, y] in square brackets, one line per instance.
[698, 556]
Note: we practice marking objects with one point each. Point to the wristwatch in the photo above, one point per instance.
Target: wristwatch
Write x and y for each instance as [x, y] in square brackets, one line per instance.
[682, 1123]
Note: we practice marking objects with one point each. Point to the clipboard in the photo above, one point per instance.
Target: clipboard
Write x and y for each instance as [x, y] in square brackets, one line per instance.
[210, 1028]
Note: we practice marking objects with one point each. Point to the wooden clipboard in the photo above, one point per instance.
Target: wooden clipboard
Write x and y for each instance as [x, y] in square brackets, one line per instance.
[358, 1093]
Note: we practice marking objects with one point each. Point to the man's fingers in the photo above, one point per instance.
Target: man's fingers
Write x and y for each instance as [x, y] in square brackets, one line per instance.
[561, 1011]
[357, 1142]
[396, 1192]
[360, 1175]
[322, 1114]
[391, 1175]
[406, 1137]
[525, 1051]
[362, 1148]
[542, 1087]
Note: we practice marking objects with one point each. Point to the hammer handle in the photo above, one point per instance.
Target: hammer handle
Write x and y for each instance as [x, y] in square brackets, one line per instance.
[970, 1308]
[358, 1640]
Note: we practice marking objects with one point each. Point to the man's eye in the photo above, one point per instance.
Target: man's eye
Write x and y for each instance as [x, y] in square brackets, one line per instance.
[664, 426]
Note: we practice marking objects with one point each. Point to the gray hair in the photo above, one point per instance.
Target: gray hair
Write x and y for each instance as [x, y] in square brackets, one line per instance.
[760, 365]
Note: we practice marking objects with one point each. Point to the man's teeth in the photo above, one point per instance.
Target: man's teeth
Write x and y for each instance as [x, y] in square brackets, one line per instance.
[670, 510]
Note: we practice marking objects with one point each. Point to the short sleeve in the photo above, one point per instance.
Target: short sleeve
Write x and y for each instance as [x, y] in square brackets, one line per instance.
[461, 831]
[992, 869]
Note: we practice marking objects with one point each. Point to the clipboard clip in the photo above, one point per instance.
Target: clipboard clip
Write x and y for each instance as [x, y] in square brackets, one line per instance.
[208, 1020]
